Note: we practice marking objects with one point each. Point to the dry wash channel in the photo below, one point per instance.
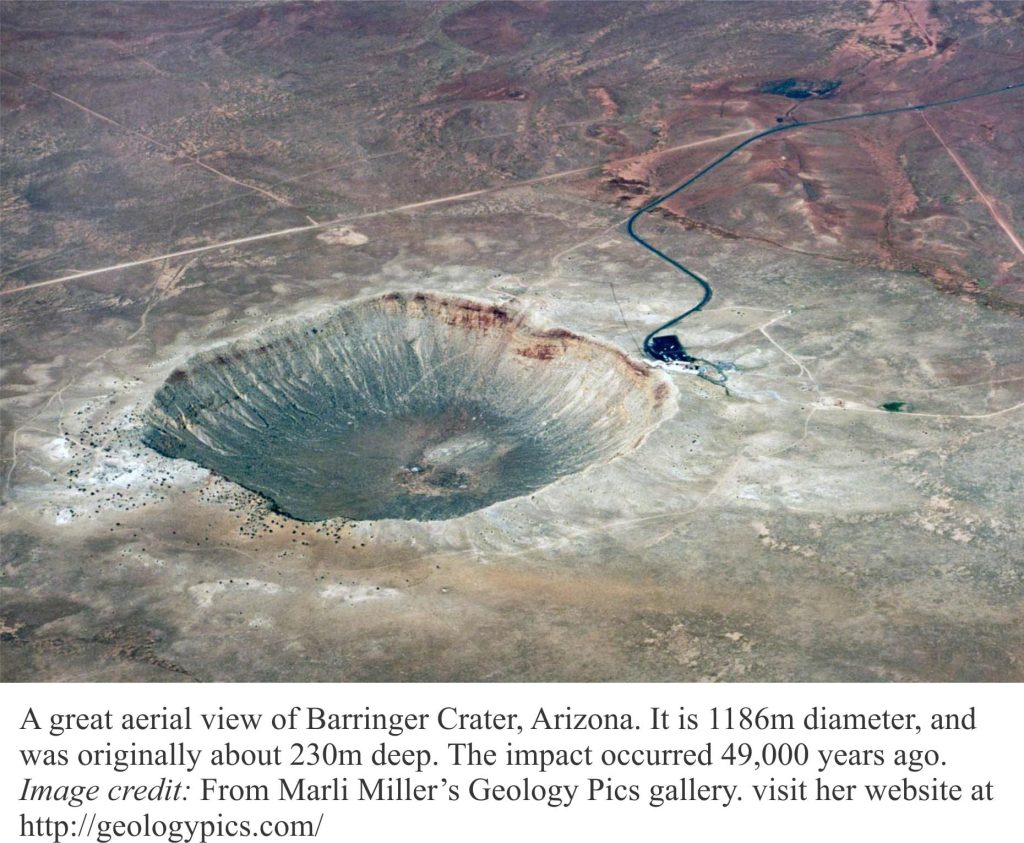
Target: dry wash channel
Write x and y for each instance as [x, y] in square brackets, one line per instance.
[409, 406]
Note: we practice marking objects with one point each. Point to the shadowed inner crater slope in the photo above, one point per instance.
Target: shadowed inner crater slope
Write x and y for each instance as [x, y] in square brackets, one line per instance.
[408, 406]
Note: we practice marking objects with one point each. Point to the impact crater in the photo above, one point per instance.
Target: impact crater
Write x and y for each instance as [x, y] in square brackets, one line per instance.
[409, 405]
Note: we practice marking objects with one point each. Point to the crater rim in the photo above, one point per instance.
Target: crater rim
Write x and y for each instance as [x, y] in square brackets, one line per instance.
[529, 336]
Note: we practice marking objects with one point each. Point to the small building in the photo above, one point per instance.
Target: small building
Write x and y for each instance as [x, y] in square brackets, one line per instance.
[668, 349]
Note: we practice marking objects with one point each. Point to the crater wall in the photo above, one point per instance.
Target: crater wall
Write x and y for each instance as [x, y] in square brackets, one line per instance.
[415, 406]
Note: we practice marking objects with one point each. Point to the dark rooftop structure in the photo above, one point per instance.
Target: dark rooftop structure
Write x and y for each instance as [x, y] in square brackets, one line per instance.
[668, 349]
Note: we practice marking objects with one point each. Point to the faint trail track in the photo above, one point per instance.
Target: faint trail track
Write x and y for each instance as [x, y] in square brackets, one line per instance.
[984, 197]
[286, 232]
[149, 139]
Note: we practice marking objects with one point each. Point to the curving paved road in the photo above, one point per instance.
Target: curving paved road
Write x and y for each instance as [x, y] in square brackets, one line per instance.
[725, 156]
